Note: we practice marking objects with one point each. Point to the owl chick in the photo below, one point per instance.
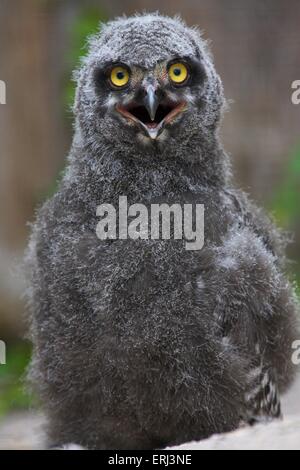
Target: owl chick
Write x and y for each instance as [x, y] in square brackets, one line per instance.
[140, 344]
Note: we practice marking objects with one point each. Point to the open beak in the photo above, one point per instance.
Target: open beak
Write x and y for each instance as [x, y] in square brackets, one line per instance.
[153, 113]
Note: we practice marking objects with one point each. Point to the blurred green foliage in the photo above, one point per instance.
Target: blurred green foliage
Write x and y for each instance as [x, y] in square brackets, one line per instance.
[287, 198]
[286, 207]
[12, 390]
[85, 25]
[13, 395]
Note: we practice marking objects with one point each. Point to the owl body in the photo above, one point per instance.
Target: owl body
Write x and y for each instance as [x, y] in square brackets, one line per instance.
[141, 344]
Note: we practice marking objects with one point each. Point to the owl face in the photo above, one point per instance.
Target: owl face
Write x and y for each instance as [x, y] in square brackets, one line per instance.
[151, 103]
[147, 79]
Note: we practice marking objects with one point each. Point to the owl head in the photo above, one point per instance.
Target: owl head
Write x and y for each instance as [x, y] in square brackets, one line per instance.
[148, 81]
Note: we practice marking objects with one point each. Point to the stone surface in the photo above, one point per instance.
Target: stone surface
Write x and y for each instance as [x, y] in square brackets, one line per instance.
[283, 435]
[22, 431]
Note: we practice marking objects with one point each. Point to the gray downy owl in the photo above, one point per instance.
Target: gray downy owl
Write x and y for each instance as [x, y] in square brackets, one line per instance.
[141, 343]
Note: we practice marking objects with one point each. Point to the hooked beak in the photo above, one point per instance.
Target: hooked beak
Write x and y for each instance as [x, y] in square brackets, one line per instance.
[152, 113]
[151, 102]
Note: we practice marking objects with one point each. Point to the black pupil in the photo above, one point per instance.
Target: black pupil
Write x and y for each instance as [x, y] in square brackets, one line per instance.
[177, 72]
[120, 75]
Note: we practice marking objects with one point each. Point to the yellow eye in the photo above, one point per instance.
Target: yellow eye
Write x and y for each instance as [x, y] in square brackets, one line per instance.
[119, 76]
[178, 73]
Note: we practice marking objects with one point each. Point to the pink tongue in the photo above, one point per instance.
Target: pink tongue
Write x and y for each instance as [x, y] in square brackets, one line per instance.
[152, 125]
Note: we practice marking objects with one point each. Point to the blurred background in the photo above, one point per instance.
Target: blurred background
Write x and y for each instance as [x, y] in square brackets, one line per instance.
[256, 44]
